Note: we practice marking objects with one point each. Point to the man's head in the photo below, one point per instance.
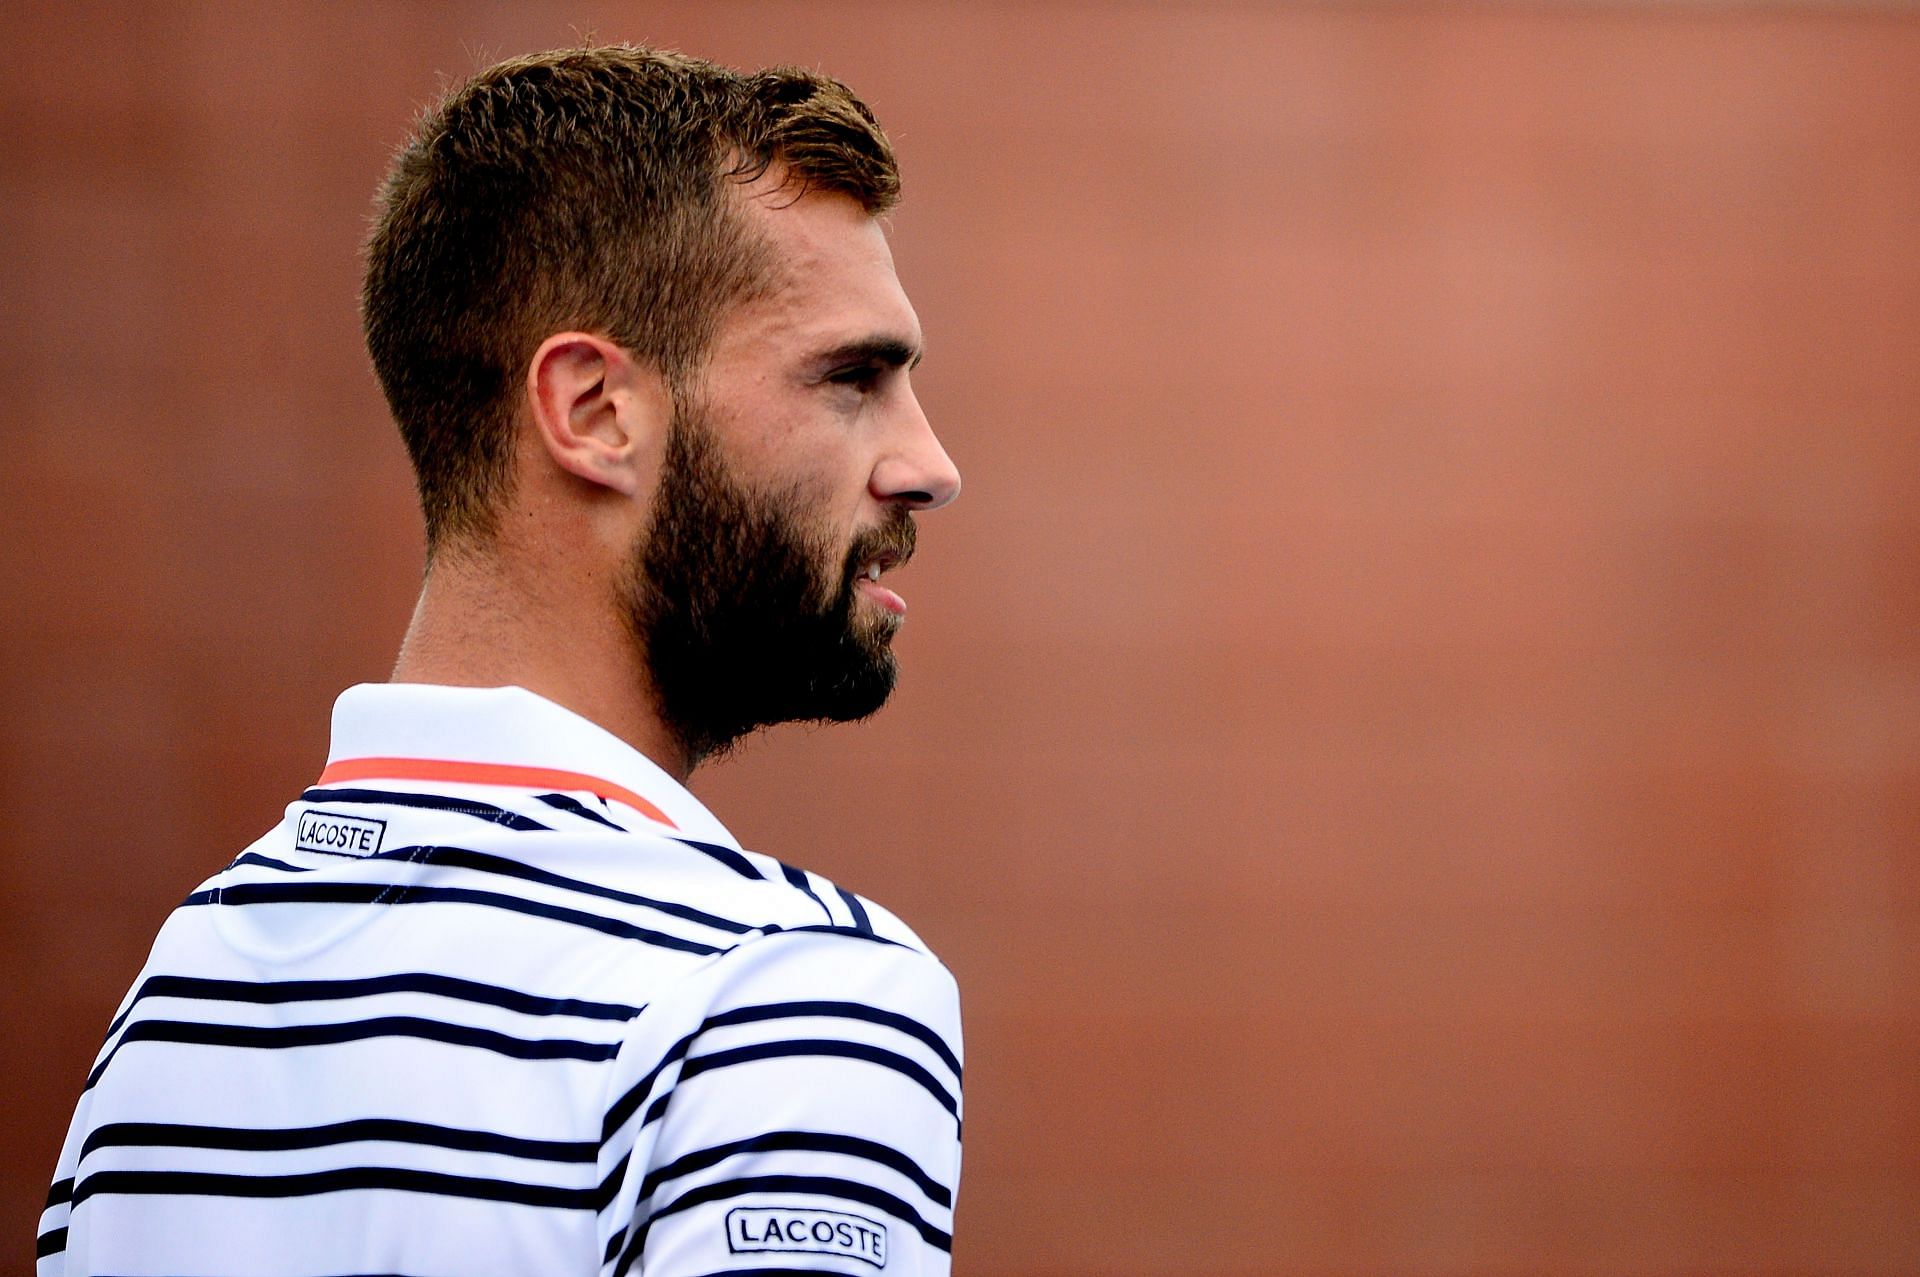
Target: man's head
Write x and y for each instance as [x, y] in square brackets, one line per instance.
[651, 293]
[587, 189]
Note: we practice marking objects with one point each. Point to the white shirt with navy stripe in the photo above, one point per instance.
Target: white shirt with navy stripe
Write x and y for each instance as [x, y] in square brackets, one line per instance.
[499, 996]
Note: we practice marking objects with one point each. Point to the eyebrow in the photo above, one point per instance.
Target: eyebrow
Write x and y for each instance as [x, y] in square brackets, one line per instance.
[890, 352]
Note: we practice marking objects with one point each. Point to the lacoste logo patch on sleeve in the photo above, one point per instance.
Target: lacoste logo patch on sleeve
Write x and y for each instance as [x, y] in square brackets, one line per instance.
[806, 1231]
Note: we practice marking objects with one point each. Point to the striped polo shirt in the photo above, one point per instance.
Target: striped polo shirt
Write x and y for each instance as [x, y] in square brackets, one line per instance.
[499, 996]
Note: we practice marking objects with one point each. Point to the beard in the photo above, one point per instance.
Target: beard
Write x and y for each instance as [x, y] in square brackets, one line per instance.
[744, 613]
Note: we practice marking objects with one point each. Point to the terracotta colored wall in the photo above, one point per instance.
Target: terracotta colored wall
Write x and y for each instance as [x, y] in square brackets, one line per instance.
[1411, 740]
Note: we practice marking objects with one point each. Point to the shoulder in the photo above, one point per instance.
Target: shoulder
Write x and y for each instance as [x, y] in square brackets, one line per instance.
[818, 939]
[839, 908]
[766, 895]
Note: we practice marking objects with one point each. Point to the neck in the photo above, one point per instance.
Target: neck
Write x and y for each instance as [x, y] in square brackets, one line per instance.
[484, 620]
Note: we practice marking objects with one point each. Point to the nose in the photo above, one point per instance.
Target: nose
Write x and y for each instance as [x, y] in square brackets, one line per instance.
[915, 470]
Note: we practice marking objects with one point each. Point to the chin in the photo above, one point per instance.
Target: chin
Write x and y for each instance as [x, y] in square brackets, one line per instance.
[857, 690]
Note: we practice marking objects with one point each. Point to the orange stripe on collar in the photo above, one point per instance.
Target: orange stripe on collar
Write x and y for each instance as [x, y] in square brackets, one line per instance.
[487, 774]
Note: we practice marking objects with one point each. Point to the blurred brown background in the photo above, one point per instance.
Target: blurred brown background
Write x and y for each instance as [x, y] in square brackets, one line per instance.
[1411, 740]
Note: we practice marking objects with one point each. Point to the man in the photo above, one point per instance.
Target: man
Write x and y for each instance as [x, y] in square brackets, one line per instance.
[499, 995]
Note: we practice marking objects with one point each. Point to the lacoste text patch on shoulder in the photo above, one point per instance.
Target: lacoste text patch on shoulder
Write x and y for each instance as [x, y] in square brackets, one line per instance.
[806, 1231]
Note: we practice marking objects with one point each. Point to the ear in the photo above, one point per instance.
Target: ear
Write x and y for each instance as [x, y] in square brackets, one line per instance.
[598, 414]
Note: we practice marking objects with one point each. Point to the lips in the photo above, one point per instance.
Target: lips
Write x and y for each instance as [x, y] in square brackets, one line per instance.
[867, 581]
[869, 585]
[879, 551]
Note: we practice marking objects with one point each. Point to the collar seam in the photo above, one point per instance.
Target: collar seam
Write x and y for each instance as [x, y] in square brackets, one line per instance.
[505, 774]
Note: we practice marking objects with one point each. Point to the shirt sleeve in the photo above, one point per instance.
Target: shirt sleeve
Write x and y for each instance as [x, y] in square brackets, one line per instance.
[803, 1114]
[50, 1244]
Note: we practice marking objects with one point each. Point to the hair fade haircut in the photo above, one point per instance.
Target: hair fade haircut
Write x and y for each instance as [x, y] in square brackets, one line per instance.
[580, 189]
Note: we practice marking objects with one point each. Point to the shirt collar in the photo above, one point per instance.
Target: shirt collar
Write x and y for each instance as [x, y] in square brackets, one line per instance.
[502, 736]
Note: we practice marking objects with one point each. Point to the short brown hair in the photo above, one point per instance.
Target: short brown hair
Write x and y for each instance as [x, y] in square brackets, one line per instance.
[580, 188]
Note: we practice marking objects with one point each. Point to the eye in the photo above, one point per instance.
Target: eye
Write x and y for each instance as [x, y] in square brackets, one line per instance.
[862, 377]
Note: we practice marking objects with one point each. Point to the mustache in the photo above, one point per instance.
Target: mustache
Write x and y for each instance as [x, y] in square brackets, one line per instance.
[893, 539]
